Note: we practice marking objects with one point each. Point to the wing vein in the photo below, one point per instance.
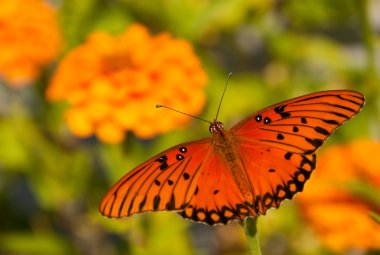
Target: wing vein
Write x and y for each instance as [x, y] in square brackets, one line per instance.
[129, 188]
[330, 112]
[192, 179]
[277, 142]
[329, 104]
[285, 132]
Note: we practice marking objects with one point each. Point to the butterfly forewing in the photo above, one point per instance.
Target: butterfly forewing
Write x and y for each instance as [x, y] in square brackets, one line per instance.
[164, 182]
[302, 124]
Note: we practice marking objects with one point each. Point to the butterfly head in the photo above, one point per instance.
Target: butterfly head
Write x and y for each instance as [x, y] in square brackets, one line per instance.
[216, 127]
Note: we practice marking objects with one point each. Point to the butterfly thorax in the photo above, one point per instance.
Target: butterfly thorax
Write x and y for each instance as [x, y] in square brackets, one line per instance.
[225, 145]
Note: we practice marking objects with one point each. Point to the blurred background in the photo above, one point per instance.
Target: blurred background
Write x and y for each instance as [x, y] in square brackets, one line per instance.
[78, 84]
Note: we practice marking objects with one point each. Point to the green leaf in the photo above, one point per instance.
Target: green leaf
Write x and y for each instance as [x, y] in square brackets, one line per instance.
[27, 243]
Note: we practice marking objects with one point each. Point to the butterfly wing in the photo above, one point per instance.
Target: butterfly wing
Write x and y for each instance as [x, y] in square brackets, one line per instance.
[167, 181]
[190, 178]
[302, 124]
[275, 174]
[277, 144]
[217, 198]
[276, 148]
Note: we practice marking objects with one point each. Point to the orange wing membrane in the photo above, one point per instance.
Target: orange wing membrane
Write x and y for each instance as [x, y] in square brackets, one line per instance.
[164, 182]
[302, 124]
[261, 161]
[277, 144]
[217, 198]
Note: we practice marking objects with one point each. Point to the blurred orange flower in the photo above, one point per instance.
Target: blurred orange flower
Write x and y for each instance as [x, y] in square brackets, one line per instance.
[113, 83]
[332, 203]
[29, 39]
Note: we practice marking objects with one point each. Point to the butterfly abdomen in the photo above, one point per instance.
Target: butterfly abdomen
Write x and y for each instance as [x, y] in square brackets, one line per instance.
[225, 144]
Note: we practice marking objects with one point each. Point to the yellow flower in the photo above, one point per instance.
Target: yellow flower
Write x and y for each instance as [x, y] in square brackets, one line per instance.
[29, 39]
[331, 203]
[112, 84]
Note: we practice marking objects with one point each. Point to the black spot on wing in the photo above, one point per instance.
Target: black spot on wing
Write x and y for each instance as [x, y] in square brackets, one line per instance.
[306, 161]
[267, 120]
[156, 202]
[332, 122]
[164, 166]
[315, 142]
[129, 208]
[142, 203]
[322, 131]
[288, 155]
[285, 114]
[340, 115]
[186, 176]
[220, 215]
[162, 159]
[279, 109]
[171, 204]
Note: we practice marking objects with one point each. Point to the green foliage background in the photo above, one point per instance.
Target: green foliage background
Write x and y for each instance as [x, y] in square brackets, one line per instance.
[51, 183]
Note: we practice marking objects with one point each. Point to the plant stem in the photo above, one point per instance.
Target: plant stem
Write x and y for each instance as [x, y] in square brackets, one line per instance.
[371, 79]
[368, 36]
[250, 229]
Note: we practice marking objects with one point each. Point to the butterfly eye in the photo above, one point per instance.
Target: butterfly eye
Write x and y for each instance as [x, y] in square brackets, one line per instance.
[212, 129]
[216, 127]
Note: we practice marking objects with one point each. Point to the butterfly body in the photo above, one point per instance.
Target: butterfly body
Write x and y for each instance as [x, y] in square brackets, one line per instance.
[237, 173]
[226, 146]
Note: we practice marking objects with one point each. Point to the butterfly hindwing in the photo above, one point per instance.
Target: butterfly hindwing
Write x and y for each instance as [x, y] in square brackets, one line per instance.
[217, 199]
[165, 182]
[275, 174]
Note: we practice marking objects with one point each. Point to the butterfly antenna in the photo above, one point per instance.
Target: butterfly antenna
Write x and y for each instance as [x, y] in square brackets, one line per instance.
[221, 99]
[167, 107]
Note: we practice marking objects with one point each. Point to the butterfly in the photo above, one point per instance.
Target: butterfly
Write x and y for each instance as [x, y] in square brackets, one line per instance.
[237, 173]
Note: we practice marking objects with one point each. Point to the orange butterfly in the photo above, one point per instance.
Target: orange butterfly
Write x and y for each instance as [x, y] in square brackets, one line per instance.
[240, 172]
